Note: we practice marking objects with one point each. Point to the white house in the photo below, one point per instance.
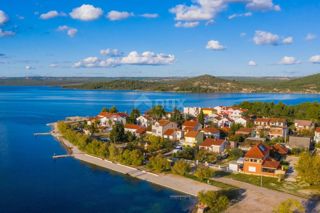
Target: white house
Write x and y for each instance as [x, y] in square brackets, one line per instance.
[143, 121]
[160, 127]
[108, 119]
[193, 111]
[211, 132]
[173, 134]
[134, 129]
[225, 122]
[214, 145]
[241, 121]
[317, 135]
[192, 138]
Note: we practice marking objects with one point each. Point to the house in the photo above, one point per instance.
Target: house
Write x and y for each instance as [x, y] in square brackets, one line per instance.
[161, 126]
[317, 135]
[107, 119]
[225, 122]
[173, 134]
[257, 161]
[193, 111]
[135, 129]
[208, 111]
[144, 121]
[277, 132]
[279, 151]
[251, 142]
[191, 125]
[211, 132]
[236, 166]
[241, 121]
[247, 132]
[303, 125]
[267, 123]
[300, 142]
[192, 138]
[214, 145]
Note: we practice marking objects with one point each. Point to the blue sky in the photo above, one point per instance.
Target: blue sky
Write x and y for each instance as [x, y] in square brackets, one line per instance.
[159, 37]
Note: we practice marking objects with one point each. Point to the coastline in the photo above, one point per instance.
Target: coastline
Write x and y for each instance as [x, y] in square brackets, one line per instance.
[174, 182]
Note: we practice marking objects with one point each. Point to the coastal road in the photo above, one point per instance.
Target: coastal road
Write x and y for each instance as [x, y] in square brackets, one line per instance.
[257, 199]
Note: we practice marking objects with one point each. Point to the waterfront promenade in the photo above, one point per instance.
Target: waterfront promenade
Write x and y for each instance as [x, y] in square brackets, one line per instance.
[174, 182]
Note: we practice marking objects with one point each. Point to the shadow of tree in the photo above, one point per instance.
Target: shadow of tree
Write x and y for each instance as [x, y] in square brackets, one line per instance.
[312, 203]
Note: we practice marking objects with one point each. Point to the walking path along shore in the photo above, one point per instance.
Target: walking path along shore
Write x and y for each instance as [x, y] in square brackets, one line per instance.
[174, 182]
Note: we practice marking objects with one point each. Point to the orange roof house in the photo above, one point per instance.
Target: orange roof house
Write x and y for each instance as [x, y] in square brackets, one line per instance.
[257, 161]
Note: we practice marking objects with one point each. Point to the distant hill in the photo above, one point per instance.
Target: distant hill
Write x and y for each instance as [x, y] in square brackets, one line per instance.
[198, 84]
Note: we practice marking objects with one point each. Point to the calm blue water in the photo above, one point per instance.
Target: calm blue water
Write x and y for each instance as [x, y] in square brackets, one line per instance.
[30, 181]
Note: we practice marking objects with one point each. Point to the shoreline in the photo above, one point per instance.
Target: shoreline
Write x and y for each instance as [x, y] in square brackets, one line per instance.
[173, 182]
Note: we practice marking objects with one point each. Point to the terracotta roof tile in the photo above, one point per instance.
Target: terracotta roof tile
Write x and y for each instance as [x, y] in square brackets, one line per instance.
[211, 141]
[192, 134]
[259, 151]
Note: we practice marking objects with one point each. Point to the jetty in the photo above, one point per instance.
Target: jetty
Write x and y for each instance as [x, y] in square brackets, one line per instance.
[41, 133]
[61, 156]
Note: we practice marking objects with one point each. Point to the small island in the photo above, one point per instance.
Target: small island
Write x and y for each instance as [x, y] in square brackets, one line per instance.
[224, 155]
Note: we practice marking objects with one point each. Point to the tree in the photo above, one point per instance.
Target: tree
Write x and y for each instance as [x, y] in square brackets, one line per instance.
[181, 167]
[206, 156]
[114, 152]
[201, 117]
[135, 113]
[177, 117]
[158, 163]
[157, 112]
[117, 133]
[235, 153]
[308, 168]
[113, 109]
[104, 109]
[234, 127]
[289, 206]
[203, 173]
[215, 200]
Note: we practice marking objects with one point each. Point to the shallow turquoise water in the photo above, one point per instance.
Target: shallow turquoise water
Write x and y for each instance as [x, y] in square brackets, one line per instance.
[30, 181]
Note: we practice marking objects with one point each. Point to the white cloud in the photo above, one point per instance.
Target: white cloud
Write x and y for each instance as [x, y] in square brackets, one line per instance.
[53, 65]
[3, 17]
[289, 60]
[4, 33]
[264, 38]
[111, 52]
[287, 40]
[150, 15]
[133, 58]
[236, 15]
[262, 5]
[252, 63]
[310, 37]
[214, 45]
[118, 15]
[28, 67]
[86, 12]
[315, 59]
[204, 10]
[71, 32]
[187, 24]
[51, 14]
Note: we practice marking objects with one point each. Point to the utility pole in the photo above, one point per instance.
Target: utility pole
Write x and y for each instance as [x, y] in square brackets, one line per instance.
[261, 180]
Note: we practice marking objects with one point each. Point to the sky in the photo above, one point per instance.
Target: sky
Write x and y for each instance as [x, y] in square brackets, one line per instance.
[131, 38]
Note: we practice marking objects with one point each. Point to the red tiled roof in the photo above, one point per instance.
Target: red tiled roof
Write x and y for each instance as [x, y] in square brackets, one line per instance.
[169, 132]
[141, 130]
[211, 130]
[280, 149]
[163, 122]
[318, 129]
[211, 141]
[269, 163]
[258, 151]
[192, 134]
[244, 131]
[303, 122]
[190, 123]
[109, 114]
[131, 126]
